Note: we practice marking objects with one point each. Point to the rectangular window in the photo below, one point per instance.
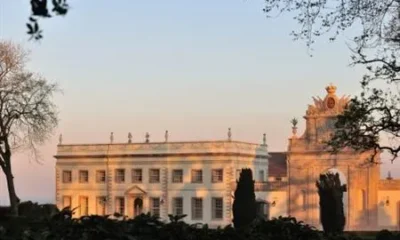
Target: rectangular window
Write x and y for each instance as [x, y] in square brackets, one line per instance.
[154, 175]
[84, 206]
[177, 206]
[197, 176]
[177, 176]
[67, 200]
[120, 205]
[261, 176]
[100, 176]
[101, 205]
[217, 175]
[120, 175]
[217, 208]
[83, 176]
[67, 176]
[155, 206]
[197, 208]
[137, 176]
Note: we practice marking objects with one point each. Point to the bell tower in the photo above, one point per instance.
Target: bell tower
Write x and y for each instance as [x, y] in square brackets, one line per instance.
[307, 158]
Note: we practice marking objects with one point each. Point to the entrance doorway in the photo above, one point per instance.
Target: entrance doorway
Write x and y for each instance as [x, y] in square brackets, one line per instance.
[137, 206]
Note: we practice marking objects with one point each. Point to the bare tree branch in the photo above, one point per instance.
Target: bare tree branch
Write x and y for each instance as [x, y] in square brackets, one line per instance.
[27, 114]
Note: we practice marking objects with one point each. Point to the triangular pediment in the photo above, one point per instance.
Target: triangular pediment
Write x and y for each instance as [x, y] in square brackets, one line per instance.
[135, 190]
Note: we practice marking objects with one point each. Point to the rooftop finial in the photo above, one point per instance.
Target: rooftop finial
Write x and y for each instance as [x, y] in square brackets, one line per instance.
[264, 139]
[147, 137]
[294, 126]
[129, 138]
[389, 176]
[331, 89]
[166, 136]
[111, 137]
[229, 134]
[60, 138]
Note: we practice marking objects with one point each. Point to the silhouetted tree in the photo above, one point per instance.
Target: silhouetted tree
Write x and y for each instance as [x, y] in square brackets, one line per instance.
[27, 114]
[330, 192]
[244, 204]
[376, 46]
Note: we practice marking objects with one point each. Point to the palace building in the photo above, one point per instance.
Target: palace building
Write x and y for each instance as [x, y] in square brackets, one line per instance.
[199, 178]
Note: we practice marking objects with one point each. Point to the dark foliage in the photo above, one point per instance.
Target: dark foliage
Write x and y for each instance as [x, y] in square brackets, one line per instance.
[42, 9]
[330, 192]
[367, 119]
[374, 115]
[244, 204]
[384, 235]
[62, 226]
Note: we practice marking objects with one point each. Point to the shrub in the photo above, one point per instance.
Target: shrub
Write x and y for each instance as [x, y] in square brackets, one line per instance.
[384, 235]
[330, 192]
[244, 205]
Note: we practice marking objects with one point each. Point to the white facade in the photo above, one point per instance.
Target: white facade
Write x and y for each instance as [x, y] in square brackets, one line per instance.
[284, 181]
[193, 178]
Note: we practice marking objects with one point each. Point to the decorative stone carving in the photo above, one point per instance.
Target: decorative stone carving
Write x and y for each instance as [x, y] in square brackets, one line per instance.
[111, 137]
[330, 105]
[264, 139]
[229, 134]
[166, 136]
[129, 138]
[147, 138]
[60, 138]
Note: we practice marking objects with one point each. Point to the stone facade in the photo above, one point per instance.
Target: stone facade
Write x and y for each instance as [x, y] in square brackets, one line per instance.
[195, 178]
[284, 181]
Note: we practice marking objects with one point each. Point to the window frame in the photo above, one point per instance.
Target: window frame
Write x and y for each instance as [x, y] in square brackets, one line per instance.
[98, 176]
[81, 175]
[87, 205]
[120, 205]
[70, 201]
[70, 176]
[117, 175]
[158, 176]
[193, 208]
[173, 175]
[133, 176]
[153, 207]
[104, 200]
[222, 175]
[261, 175]
[193, 175]
[214, 208]
[175, 207]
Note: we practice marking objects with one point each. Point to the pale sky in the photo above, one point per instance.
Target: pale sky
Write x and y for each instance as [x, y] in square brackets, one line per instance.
[194, 68]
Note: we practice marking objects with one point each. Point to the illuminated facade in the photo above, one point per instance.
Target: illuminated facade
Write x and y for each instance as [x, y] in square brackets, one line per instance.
[198, 178]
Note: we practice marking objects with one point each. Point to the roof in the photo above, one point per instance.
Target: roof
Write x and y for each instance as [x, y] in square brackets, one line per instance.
[277, 164]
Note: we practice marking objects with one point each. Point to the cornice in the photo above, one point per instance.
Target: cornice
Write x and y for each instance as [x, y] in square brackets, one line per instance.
[159, 155]
[206, 148]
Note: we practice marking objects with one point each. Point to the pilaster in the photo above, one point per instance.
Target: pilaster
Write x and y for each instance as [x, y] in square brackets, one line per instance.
[228, 193]
[57, 195]
[164, 189]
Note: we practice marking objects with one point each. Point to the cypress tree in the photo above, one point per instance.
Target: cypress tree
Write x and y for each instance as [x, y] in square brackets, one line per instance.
[244, 204]
[330, 192]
